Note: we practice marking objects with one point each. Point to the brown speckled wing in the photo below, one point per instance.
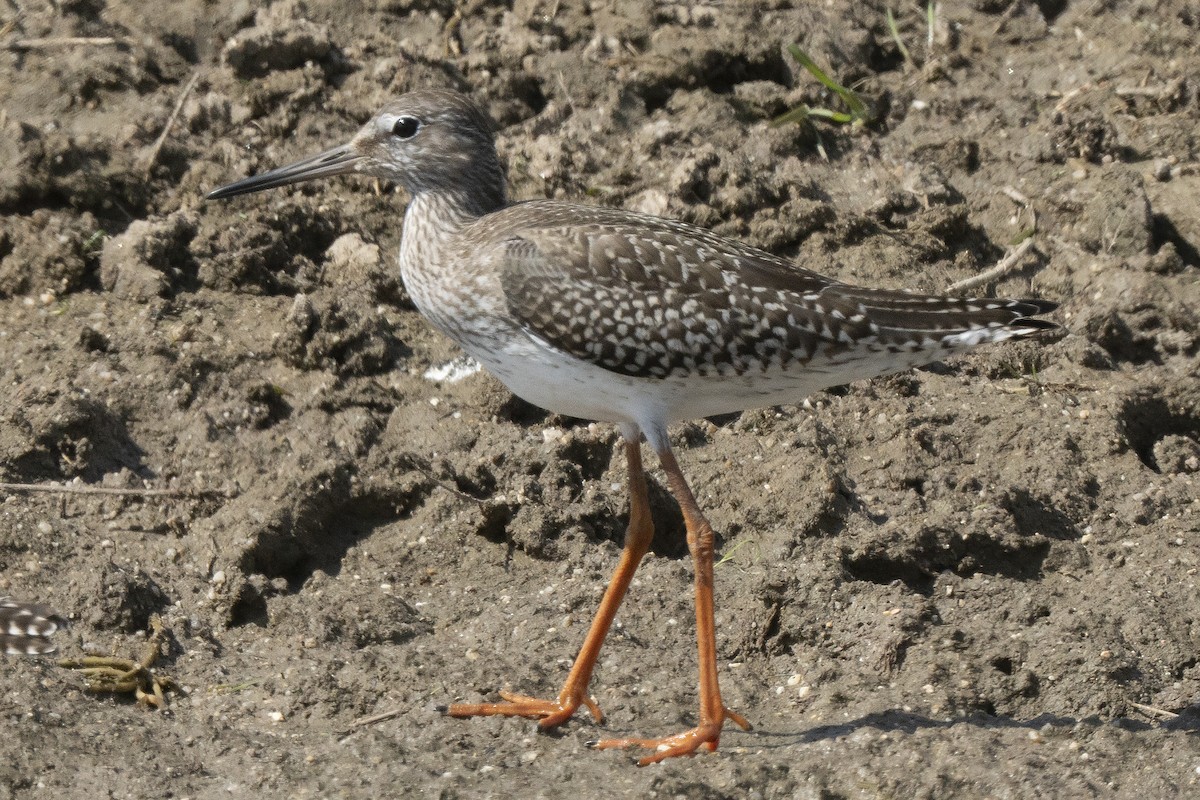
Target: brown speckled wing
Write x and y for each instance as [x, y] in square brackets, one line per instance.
[653, 299]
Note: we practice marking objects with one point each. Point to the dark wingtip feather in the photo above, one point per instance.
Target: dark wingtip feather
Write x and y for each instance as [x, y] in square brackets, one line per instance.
[1032, 307]
[1032, 326]
[1030, 322]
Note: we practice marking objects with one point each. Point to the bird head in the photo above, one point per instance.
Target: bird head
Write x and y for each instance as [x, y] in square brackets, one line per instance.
[426, 141]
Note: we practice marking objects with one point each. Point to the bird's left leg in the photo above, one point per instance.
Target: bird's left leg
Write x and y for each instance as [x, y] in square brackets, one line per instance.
[713, 712]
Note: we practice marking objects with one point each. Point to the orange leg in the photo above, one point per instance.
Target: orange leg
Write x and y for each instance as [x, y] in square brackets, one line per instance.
[713, 712]
[574, 692]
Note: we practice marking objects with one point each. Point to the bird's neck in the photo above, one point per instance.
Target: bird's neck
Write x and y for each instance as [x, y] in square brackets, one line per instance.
[438, 213]
[432, 222]
[456, 208]
[461, 194]
[436, 272]
[433, 219]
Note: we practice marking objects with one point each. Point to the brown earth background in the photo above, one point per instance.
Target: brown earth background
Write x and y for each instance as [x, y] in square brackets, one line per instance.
[974, 580]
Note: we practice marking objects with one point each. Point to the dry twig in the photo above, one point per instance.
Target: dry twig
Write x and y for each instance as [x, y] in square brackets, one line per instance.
[1006, 265]
[1161, 90]
[62, 41]
[1153, 711]
[373, 719]
[50, 488]
[152, 156]
[1009, 13]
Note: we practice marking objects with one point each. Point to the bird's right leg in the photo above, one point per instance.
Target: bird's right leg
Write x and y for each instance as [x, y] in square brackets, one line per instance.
[574, 692]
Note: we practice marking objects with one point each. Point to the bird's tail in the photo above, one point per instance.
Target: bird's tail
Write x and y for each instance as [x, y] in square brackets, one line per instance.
[927, 322]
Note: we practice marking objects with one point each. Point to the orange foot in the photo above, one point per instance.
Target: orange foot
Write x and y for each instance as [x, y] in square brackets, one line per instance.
[549, 713]
[704, 735]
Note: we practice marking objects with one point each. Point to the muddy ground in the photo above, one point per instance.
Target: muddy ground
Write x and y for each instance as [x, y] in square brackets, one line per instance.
[974, 580]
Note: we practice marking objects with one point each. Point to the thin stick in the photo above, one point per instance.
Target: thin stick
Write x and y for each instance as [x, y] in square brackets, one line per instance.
[566, 93]
[1025, 204]
[64, 41]
[374, 719]
[152, 156]
[1006, 265]
[49, 488]
[1008, 14]
[1152, 711]
[450, 34]
[1148, 91]
[1066, 99]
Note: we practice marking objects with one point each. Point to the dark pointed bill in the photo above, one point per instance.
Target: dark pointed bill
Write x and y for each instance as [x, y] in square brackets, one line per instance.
[337, 161]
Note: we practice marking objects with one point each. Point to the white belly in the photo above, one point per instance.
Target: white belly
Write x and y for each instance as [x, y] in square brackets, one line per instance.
[565, 385]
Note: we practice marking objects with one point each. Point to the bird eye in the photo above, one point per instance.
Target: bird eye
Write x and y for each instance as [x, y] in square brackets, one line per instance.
[406, 127]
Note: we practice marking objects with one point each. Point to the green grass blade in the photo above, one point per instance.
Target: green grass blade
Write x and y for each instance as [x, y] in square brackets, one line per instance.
[797, 115]
[895, 31]
[859, 111]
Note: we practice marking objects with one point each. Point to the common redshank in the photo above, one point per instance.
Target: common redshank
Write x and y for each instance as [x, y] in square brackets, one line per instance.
[609, 315]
